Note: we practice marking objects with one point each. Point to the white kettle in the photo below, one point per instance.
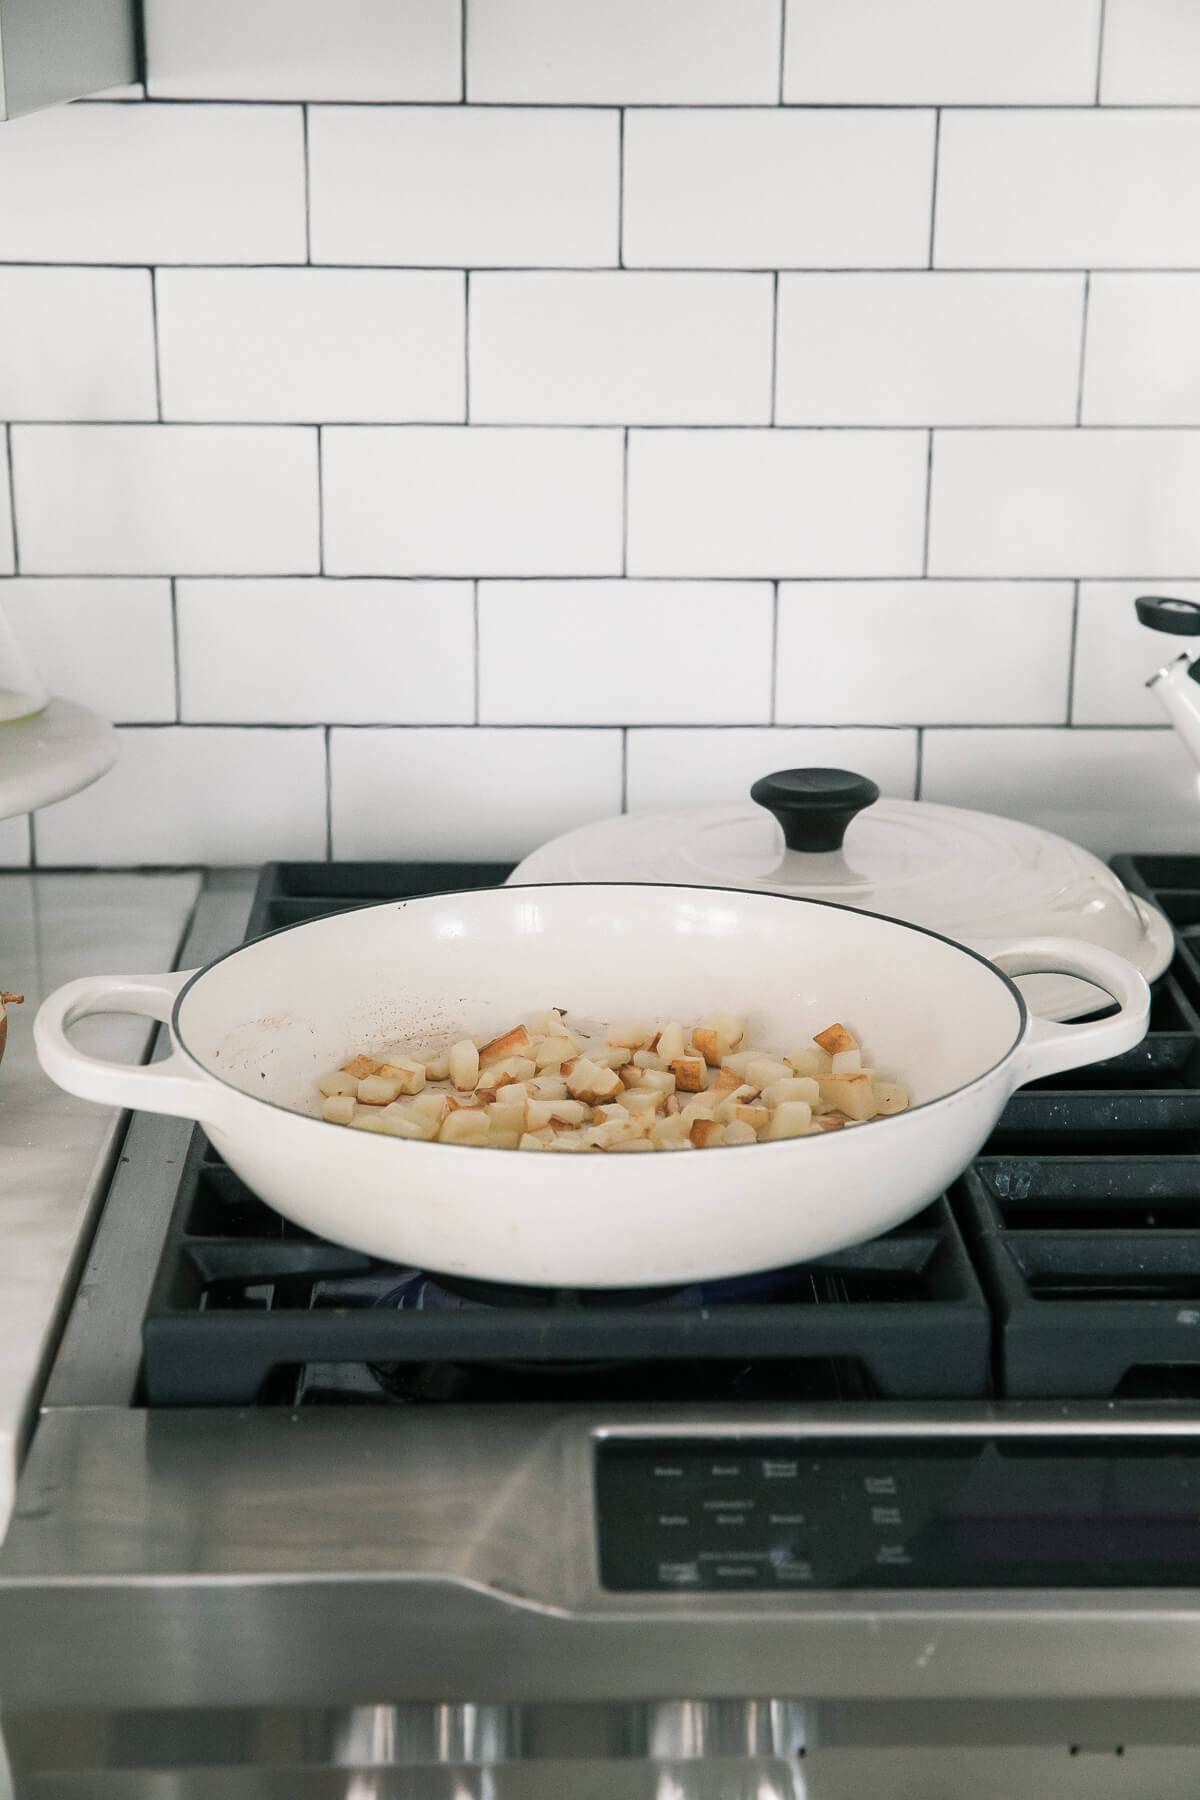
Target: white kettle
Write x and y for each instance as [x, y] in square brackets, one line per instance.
[1177, 684]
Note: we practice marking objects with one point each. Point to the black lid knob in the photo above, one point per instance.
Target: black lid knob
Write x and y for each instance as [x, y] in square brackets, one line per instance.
[1179, 617]
[814, 806]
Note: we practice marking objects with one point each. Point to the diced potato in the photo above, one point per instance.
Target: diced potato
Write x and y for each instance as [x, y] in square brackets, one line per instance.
[377, 1090]
[835, 1039]
[644, 1100]
[339, 1109]
[689, 1073]
[853, 1095]
[547, 1024]
[568, 1140]
[590, 1082]
[400, 1120]
[727, 1025]
[512, 1068]
[670, 1043]
[728, 1079]
[709, 1044]
[469, 1125]
[504, 1140]
[642, 1143]
[757, 1117]
[790, 1119]
[800, 1087]
[669, 1131]
[339, 1083]
[809, 1062]
[630, 1077]
[529, 1140]
[739, 1061]
[509, 1043]
[367, 1121]
[547, 1087]
[512, 1093]
[551, 1052]
[629, 1036]
[603, 1115]
[360, 1066]
[705, 1133]
[831, 1121]
[662, 1079]
[506, 1118]
[890, 1097]
[464, 1065]
[846, 1062]
[648, 1059]
[738, 1133]
[430, 1105]
[408, 1075]
[437, 1068]
[763, 1070]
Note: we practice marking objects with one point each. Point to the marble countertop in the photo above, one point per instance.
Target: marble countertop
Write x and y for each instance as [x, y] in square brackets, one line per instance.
[56, 1151]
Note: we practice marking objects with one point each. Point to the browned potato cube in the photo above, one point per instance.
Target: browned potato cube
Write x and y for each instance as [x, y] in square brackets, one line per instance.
[509, 1043]
[689, 1073]
[835, 1039]
[360, 1066]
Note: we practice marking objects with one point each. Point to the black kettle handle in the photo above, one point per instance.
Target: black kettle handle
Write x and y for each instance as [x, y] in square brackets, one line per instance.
[1181, 618]
[815, 806]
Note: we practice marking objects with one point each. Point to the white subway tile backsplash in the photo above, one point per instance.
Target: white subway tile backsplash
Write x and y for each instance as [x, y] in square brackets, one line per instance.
[1143, 350]
[1108, 790]
[924, 652]
[609, 347]
[1064, 503]
[467, 500]
[165, 499]
[627, 52]
[304, 49]
[928, 349]
[1151, 53]
[14, 842]
[776, 502]
[464, 186]
[107, 644]
[1087, 188]
[941, 52]
[717, 768]
[781, 188]
[475, 794]
[196, 795]
[76, 344]
[153, 184]
[1115, 654]
[312, 344]
[312, 651]
[624, 652]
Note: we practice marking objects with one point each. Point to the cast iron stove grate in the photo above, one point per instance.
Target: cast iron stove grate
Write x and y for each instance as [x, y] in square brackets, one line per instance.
[248, 1308]
[1083, 1212]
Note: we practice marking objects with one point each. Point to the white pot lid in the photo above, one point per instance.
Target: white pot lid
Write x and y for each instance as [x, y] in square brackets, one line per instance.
[973, 876]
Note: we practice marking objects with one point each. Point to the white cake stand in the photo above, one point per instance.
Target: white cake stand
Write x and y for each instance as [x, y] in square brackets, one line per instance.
[63, 748]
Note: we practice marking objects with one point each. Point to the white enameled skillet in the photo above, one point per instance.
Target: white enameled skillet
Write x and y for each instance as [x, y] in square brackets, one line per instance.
[252, 1031]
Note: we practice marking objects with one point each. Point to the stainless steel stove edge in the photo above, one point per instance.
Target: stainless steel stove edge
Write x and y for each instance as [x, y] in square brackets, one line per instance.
[264, 1557]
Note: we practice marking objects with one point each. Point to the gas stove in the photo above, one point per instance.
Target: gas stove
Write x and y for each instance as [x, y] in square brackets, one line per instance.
[936, 1492]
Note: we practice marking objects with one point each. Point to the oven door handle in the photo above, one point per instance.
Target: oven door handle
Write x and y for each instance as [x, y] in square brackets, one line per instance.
[174, 1085]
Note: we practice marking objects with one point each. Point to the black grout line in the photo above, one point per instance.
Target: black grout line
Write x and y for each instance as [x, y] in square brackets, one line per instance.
[475, 648]
[625, 768]
[621, 189]
[307, 188]
[1083, 333]
[937, 138]
[903, 728]
[919, 764]
[625, 505]
[803, 577]
[158, 402]
[33, 853]
[466, 347]
[774, 692]
[928, 507]
[863, 428]
[328, 794]
[1070, 719]
[12, 501]
[175, 657]
[1100, 51]
[221, 102]
[774, 345]
[320, 500]
[462, 51]
[783, 12]
[856, 271]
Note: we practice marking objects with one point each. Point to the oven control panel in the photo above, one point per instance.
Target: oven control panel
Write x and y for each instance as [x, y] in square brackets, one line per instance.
[787, 1514]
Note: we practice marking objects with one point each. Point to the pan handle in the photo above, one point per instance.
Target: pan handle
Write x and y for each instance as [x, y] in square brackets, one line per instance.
[171, 1086]
[1047, 1047]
